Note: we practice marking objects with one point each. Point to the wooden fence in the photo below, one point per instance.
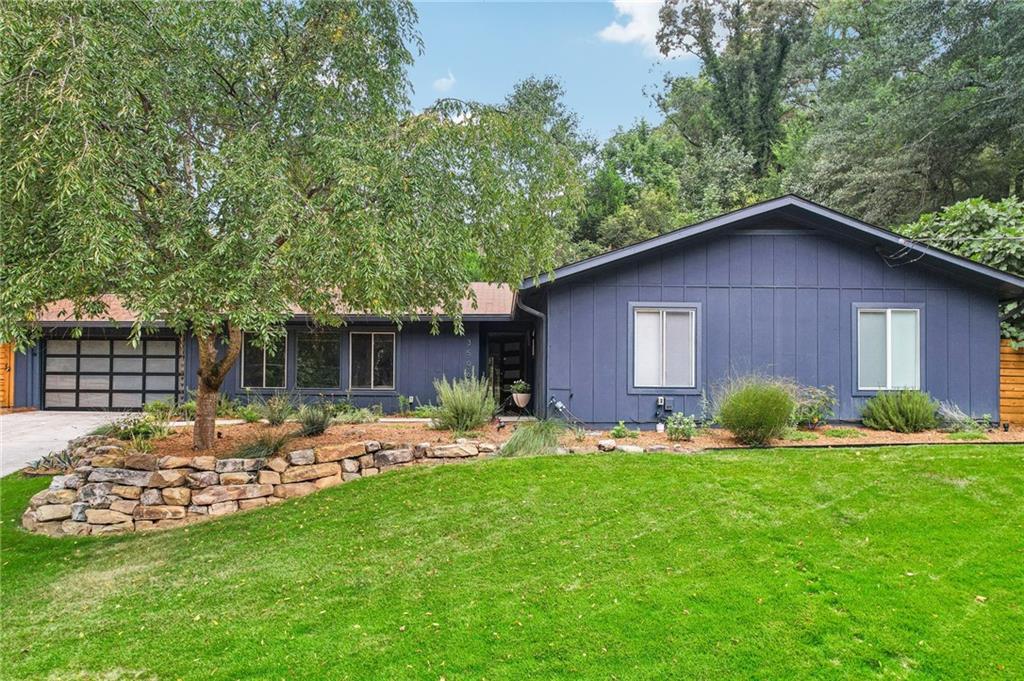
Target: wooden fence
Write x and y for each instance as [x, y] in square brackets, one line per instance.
[1011, 384]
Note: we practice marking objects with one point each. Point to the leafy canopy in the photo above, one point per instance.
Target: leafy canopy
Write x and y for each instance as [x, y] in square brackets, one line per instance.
[214, 161]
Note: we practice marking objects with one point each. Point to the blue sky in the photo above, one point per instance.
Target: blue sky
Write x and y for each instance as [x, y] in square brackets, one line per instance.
[603, 52]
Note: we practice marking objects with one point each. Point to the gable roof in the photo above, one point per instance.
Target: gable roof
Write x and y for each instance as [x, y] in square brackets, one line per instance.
[799, 211]
[493, 301]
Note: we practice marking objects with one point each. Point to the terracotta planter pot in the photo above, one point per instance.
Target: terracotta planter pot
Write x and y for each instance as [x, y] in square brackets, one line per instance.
[521, 399]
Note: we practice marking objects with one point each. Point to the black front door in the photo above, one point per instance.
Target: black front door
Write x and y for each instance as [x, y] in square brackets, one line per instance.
[506, 362]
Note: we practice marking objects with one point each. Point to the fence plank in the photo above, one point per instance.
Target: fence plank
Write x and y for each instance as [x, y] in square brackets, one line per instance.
[1011, 383]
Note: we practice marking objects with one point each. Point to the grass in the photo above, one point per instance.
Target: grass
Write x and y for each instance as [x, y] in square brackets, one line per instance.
[968, 435]
[794, 435]
[843, 433]
[849, 563]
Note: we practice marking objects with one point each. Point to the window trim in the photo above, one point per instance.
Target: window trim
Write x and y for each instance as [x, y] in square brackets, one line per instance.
[333, 335]
[375, 389]
[263, 374]
[696, 337]
[888, 309]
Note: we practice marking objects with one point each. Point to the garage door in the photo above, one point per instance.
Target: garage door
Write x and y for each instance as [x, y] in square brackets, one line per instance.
[109, 374]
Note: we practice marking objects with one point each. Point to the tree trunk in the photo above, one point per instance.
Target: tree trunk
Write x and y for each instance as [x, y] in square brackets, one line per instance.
[212, 370]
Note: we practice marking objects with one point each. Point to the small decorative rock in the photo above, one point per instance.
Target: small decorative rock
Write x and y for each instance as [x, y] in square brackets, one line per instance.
[302, 457]
[223, 507]
[238, 465]
[200, 479]
[104, 516]
[126, 506]
[139, 461]
[630, 449]
[606, 445]
[303, 473]
[204, 463]
[240, 478]
[278, 464]
[656, 448]
[371, 446]
[177, 496]
[126, 491]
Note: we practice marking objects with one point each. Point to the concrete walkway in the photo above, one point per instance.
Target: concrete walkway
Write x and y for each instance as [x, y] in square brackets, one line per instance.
[26, 436]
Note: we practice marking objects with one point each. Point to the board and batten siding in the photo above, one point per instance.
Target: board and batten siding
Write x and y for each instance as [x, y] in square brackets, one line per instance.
[1011, 384]
[775, 302]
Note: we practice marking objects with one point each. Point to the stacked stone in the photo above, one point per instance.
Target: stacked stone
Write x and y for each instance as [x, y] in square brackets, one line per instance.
[113, 490]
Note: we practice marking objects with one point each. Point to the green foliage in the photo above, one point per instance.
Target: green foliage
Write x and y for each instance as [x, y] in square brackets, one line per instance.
[755, 409]
[955, 420]
[794, 435]
[844, 433]
[227, 408]
[620, 431]
[520, 386]
[535, 438]
[133, 427]
[315, 419]
[262, 447]
[361, 415]
[989, 232]
[463, 404]
[141, 443]
[278, 408]
[425, 411]
[250, 413]
[187, 410]
[63, 460]
[160, 411]
[814, 406]
[679, 426]
[902, 411]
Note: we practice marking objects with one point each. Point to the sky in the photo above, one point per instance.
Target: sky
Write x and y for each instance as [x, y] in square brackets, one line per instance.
[603, 53]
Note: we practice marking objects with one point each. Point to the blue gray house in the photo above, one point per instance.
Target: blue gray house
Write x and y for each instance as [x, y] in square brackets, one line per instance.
[785, 287]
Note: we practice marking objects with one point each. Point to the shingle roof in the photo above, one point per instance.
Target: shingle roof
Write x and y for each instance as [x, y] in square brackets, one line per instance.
[492, 300]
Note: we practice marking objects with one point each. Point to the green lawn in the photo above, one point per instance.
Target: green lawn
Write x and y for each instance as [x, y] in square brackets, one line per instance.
[843, 563]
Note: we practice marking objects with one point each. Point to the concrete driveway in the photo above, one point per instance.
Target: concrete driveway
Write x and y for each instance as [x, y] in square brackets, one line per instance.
[26, 436]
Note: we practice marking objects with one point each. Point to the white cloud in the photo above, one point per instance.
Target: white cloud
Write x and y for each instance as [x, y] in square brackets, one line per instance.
[445, 83]
[637, 23]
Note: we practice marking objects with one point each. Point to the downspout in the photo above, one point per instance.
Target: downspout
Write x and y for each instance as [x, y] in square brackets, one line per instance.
[542, 343]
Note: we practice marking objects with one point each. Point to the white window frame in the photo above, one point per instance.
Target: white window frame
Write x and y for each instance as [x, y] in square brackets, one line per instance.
[263, 373]
[662, 312]
[373, 343]
[888, 347]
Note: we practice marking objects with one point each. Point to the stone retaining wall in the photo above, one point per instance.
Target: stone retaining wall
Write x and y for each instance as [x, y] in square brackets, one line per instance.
[114, 489]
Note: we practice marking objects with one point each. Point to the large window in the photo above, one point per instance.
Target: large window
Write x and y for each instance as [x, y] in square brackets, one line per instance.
[317, 360]
[664, 347]
[888, 349]
[263, 367]
[372, 360]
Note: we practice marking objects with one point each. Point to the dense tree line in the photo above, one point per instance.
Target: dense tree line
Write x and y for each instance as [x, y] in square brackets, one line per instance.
[882, 110]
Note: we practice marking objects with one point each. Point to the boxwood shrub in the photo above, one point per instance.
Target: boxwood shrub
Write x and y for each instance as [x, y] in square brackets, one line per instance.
[755, 409]
[903, 411]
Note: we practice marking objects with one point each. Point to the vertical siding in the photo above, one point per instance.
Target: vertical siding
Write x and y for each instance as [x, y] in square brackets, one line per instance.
[775, 303]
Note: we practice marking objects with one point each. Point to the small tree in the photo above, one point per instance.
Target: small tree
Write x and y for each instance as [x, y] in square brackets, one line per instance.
[216, 164]
[989, 232]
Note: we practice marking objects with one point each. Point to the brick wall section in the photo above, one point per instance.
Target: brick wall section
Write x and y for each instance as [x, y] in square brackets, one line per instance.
[1011, 384]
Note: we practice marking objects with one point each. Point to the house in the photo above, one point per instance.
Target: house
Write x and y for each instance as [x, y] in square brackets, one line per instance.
[785, 287]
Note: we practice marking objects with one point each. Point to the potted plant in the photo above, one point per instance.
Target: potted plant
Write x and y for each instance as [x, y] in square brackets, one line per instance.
[520, 393]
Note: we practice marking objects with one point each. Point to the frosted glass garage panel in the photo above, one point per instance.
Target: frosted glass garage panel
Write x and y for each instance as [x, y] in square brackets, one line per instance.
[61, 382]
[95, 364]
[647, 348]
[86, 382]
[64, 400]
[127, 382]
[871, 349]
[679, 349]
[159, 397]
[161, 347]
[160, 366]
[127, 365]
[61, 364]
[126, 400]
[95, 347]
[906, 344]
[125, 348]
[61, 347]
[93, 399]
[160, 382]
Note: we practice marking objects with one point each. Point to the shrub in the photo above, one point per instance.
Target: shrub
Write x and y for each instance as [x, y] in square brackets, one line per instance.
[679, 426]
[620, 431]
[160, 411]
[134, 426]
[187, 410]
[227, 408]
[359, 415]
[538, 437]
[56, 461]
[315, 419]
[756, 410]
[814, 406]
[425, 411]
[903, 411]
[141, 443]
[263, 447]
[955, 420]
[463, 404]
[250, 413]
[278, 408]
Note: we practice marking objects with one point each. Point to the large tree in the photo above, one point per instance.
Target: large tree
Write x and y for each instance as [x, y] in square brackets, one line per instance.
[218, 164]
